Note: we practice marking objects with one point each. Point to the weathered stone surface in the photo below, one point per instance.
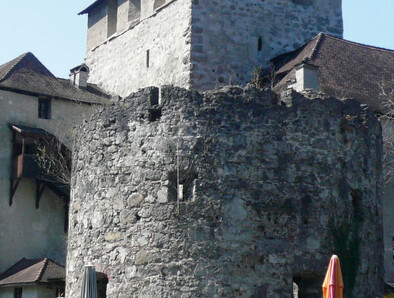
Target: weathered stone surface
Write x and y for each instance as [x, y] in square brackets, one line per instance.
[270, 192]
[201, 44]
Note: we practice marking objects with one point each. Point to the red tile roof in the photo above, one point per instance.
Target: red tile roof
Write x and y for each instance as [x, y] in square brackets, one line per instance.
[346, 69]
[28, 75]
[33, 271]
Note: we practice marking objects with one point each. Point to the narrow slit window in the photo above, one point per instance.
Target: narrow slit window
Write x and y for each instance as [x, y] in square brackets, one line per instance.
[181, 186]
[147, 58]
[259, 44]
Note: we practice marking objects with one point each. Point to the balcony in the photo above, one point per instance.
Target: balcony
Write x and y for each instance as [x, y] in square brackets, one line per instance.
[25, 166]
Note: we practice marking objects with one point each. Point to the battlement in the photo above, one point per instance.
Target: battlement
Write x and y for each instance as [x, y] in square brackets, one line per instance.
[211, 194]
[199, 44]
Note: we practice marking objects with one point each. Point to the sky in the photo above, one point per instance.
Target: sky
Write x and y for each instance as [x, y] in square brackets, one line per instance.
[56, 35]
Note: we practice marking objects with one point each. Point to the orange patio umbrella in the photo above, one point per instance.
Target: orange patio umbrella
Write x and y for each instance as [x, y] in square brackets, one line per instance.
[333, 283]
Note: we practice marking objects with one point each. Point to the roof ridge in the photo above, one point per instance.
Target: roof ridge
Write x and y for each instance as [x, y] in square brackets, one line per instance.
[15, 62]
[41, 272]
[314, 50]
[358, 43]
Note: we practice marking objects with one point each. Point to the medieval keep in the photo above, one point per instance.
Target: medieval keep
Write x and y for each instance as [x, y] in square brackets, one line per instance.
[183, 192]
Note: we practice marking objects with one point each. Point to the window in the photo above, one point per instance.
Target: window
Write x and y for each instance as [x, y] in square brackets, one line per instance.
[44, 108]
[17, 292]
[181, 185]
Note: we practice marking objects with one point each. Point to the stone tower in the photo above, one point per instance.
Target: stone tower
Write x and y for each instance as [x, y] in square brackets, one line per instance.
[226, 194]
[197, 44]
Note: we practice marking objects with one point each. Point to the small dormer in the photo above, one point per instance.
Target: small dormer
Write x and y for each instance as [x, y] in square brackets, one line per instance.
[305, 77]
[79, 76]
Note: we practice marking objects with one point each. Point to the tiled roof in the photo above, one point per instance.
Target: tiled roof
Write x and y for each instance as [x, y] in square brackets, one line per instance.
[32, 271]
[346, 69]
[27, 74]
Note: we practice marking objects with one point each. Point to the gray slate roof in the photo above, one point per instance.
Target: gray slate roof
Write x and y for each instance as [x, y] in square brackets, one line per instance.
[26, 74]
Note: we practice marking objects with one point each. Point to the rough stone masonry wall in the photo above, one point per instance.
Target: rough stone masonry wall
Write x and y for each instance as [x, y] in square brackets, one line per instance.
[230, 38]
[120, 65]
[271, 191]
[202, 44]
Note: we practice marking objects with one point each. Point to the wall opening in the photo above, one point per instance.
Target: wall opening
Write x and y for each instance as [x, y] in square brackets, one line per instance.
[112, 17]
[181, 185]
[44, 108]
[134, 11]
[102, 281]
[158, 3]
[357, 197]
[147, 58]
[154, 114]
[303, 2]
[259, 44]
[307, 284]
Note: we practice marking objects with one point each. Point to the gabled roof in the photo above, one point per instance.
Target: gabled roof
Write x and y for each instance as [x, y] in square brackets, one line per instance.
[346, 69]
[33, 271]
[26, 74]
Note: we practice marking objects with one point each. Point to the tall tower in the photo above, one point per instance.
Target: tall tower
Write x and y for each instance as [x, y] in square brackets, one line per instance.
[197, 44]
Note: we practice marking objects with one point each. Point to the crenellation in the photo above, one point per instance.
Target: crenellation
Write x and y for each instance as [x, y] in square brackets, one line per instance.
[208, 43]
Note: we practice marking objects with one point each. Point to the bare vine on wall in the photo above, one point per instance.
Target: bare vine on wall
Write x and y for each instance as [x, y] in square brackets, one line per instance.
[54, 152]
[386, 94]
[54, 159]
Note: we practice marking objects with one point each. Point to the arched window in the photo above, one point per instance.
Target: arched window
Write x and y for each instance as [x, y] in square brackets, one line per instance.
[158, 3]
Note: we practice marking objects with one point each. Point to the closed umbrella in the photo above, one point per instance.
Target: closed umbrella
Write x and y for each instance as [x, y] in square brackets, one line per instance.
[89, 283]
[333, 283]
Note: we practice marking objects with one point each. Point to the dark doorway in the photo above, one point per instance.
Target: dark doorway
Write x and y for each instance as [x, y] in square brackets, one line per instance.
[309, 284]
[102, 281]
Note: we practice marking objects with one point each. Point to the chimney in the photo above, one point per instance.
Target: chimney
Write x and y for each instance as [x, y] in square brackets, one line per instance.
[79, 76]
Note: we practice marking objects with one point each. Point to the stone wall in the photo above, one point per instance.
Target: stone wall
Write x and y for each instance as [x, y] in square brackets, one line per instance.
[231, 38]
[227, 194]
[156, 51]
[201, 44]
